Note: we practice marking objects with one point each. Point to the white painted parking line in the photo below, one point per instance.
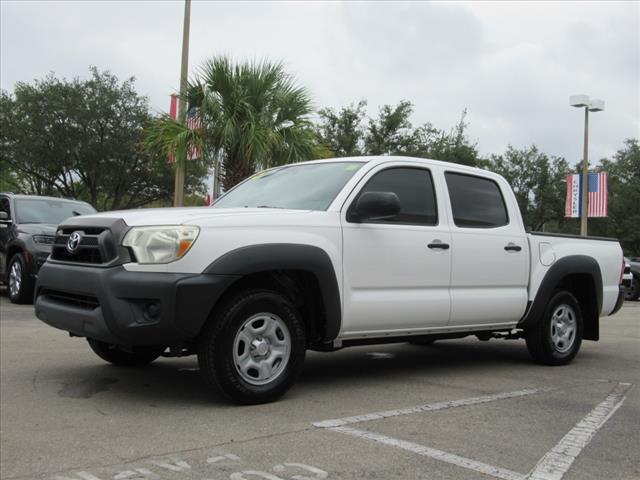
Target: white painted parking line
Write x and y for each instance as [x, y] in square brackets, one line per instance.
[463, 462]
[559, 459]
[553, 465]
[430, 407]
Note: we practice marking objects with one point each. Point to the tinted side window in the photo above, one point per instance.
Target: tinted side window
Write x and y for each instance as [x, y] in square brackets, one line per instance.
[414, 188]
[476, 202]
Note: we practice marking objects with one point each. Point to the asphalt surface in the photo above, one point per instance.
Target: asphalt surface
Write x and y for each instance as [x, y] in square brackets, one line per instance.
[65, 414]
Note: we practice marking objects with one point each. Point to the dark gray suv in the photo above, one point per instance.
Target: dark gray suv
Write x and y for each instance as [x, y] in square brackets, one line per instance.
[27, 232]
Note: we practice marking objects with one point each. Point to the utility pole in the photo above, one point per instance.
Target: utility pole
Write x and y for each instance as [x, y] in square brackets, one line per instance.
[181, 155]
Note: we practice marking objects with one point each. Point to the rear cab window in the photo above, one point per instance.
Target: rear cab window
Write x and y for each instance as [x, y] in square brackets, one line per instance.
[476, 202]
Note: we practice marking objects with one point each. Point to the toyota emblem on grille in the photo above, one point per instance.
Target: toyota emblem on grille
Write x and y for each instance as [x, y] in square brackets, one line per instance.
[74, 242]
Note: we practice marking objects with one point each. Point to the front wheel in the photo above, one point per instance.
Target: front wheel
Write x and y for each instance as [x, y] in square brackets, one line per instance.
[124, 358]
[556, 338]
[253, 348]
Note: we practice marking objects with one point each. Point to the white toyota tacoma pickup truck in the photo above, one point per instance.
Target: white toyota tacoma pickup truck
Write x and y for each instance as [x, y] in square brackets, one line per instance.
[323, 255]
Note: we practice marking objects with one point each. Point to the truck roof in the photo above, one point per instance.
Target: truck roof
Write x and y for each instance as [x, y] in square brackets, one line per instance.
[376, 159]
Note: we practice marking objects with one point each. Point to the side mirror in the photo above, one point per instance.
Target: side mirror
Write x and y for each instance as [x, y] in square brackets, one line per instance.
[375, 206]
[4, 217]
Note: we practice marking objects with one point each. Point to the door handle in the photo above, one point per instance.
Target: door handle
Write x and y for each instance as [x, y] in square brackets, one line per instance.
[439, 245]
[512, 247]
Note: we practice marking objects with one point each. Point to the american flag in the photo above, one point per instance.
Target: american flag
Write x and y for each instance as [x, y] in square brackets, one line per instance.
[194, 122]
[598, 195]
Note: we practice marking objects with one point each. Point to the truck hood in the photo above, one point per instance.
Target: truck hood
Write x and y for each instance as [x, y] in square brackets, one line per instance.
[191, 215]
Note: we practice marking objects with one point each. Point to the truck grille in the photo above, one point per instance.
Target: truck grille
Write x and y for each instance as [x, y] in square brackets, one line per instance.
[88, 250]
[99, 242]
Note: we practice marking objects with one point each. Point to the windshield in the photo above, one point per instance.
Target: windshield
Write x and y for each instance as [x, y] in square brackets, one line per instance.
[41, 210]
[301, 187]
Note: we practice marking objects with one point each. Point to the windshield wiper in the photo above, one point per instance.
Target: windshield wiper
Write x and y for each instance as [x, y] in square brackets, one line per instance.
[266, 206]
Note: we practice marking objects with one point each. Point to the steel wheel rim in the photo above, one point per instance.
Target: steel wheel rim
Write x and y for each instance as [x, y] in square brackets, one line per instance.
[563, 328]
[15, 279]
[261, 348]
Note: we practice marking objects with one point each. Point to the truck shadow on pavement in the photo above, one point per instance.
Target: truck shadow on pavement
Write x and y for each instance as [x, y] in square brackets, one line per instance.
[177, 381]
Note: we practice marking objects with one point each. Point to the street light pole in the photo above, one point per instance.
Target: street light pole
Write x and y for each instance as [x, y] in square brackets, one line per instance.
[585, 176]
[181, 154]
[589, 105]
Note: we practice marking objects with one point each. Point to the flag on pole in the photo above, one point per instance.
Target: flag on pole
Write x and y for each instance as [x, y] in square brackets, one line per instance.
[193, 123]
[598, 195]
[173, 113]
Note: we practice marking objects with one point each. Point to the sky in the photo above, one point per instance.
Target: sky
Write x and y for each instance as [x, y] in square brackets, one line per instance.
[512, 65]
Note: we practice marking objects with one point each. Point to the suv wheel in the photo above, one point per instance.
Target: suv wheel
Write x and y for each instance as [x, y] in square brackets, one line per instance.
[556, 338]
[20, 285]
[123, 358]
[253, 348]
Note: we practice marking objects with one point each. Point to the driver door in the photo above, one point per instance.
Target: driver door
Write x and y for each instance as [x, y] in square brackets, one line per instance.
[397, 270]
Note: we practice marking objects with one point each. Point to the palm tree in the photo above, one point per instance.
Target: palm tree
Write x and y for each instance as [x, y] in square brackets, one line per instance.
[253, 116]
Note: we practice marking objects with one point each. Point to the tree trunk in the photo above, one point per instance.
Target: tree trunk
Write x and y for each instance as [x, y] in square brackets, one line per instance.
[235, 171]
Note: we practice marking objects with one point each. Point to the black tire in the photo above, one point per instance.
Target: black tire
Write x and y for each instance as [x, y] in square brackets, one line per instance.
[423, 342]
[20, 289]
[141, 356]
[217, 348]
[633, 293]
[539, 337]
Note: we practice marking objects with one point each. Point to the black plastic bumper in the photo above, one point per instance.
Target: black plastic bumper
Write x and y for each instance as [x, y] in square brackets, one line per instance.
[124, 307]
[622, 291]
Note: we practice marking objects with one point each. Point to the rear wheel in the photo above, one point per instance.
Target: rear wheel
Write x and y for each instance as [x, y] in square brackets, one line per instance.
[137, 358]
[633, 292]
[253, 348]
[556, 338]
[20, 284]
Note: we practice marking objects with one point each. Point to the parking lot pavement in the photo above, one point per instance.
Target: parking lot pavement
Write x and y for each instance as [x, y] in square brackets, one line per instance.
[460, 409]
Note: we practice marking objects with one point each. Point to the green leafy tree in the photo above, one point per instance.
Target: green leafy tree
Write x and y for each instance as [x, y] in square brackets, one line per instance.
[342, 131]
[83, 139]
[349, 132]
[253, 116]
[453, 146]
[538, 183]
[623, 221]
[391, 133]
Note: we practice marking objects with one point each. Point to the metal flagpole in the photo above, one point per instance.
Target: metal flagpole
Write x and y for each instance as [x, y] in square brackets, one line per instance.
[585, 176]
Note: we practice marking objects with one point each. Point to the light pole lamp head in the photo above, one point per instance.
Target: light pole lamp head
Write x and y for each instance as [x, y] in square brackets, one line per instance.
[579, 101]
[596, 105]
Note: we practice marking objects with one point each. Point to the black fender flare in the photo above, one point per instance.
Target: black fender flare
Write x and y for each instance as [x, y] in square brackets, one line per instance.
[572, 264]
[288, 256]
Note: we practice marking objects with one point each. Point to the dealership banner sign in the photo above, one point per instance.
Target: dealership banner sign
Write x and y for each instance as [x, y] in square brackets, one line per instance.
[598, 195]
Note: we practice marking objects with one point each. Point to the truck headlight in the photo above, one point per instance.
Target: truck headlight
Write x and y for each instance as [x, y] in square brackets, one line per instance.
[160, 244]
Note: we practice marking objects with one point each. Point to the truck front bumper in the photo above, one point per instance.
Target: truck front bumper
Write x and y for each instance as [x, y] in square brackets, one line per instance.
[126, 308]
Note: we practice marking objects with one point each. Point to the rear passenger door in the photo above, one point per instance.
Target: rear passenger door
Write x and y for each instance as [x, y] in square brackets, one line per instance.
[489, 252]
[393, 281]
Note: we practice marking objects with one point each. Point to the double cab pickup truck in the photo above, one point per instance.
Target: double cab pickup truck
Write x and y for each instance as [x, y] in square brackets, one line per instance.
[323, 255]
